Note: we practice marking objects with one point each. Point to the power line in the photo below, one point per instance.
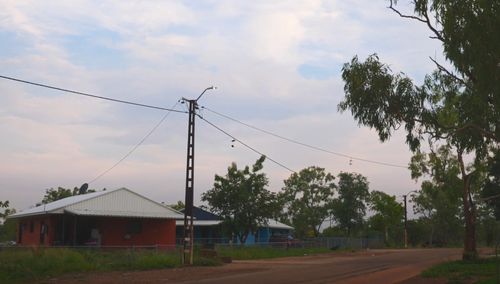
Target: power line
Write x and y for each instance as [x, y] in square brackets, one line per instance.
[136, 146]
[246, 145]
[89, 95]
[304, 144]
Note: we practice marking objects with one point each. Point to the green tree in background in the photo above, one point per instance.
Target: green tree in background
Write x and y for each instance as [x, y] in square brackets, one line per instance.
[60, 193]
[5, 210]
[491, 188]
[242, 200]
[7, 227]
[438, 200]
[388, 213]
[349, 208]
[177, 206]
[307, 198]
[457, 105]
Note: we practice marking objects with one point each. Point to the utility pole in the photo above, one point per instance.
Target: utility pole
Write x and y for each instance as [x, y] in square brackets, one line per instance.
[187, 254]
[406, 219]
[406, 223]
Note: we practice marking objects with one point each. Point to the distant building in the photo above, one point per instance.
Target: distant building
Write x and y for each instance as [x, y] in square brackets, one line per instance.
[118, 217]
[207, 230]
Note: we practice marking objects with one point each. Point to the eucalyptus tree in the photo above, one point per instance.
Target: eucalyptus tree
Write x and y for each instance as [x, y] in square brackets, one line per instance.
[457, 106]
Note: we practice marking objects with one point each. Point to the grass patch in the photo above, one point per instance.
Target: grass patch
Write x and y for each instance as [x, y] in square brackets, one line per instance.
[479, 271]
[242, 252]
[20, 265]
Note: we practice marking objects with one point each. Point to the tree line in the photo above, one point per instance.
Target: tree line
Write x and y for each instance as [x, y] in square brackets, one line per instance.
[317, 203]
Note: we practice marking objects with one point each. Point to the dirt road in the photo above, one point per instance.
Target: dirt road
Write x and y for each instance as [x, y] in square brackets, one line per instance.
[373, 266]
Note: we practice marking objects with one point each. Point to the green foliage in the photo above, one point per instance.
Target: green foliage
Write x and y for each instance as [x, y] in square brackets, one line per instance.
[464, 271]
[8, 230]
[308, 198]
[7, 227]
[388, 214]
[334, 231]
[418, 232]
[438, 201]
[349, 209]
[378, 99]
[4, 205]
[178, 206]
[491, 189]
[255, 252]
[52, 194]
[23, 265]
[458, 106]
[242, 200]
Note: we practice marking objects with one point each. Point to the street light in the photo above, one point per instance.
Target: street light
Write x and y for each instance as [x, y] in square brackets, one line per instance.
[406, 219]
[187, 255]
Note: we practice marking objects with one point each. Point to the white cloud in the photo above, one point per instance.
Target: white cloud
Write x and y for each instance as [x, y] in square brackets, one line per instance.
[251, 50]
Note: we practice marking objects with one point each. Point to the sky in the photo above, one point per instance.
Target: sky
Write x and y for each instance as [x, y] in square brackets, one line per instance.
[276, 65]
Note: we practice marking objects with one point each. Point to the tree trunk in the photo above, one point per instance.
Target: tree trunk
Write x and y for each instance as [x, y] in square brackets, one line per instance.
[470, 251]
[386, 235]
[243, 237]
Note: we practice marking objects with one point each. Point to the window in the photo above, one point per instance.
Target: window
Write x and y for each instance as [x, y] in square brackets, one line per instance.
[32, 226]
[134, 227]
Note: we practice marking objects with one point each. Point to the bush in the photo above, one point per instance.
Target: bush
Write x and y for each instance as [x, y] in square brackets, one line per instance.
[20, 264]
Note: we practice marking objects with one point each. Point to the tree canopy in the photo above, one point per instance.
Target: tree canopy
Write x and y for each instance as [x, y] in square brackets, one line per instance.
[242, 199]
[52, 194]
[445, 107]
[349, 208]
[7, 227]
[438, 200]
[177, 206]
[388, 213]
[307, 198]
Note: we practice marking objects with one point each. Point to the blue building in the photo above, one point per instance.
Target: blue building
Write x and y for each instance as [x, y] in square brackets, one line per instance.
[207, 230]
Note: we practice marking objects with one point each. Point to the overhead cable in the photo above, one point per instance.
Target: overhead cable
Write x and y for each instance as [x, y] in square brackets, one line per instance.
[304, 144]
[89, 95]
[136, 146]
[244, 144]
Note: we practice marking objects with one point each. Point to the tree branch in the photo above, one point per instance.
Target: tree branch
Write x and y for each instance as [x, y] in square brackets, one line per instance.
[442, 68]
[485, 133]
[432, 28]
[426, 20]
[403, 15]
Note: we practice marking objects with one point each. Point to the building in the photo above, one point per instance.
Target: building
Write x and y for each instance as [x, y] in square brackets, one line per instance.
[207, 229]
[118, 217]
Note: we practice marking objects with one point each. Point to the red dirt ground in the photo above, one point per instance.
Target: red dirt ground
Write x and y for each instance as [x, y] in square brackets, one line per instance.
[371, 266]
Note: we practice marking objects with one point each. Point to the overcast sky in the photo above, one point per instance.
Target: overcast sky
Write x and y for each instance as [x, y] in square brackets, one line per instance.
[277, 65]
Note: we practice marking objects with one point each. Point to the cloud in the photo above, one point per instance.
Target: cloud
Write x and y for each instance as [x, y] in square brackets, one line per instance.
[276, 63]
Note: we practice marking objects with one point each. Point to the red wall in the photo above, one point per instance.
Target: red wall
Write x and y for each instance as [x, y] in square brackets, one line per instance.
[30, 238]
[154, 232]
[113, 231]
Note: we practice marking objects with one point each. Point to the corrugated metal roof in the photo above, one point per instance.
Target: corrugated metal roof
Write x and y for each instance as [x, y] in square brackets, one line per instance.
[200, 222]
[119, 202]
[271, 223]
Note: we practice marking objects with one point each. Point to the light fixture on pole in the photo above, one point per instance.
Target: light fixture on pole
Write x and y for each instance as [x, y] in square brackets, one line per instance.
[187, 254]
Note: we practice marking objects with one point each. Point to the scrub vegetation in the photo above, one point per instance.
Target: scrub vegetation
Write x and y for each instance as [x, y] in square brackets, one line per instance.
[477, 271]
[21, 265]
